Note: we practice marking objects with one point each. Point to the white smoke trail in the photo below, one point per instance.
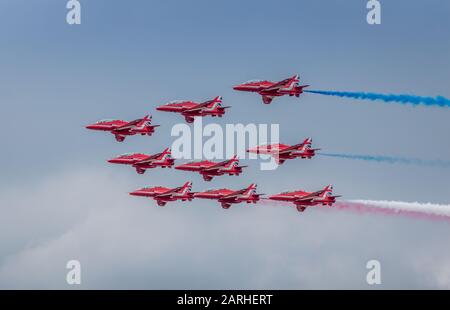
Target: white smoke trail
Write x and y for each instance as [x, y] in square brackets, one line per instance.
[417, 207]
[418, 210]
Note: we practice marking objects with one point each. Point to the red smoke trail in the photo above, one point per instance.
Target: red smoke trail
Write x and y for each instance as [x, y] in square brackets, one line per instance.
[365, 209]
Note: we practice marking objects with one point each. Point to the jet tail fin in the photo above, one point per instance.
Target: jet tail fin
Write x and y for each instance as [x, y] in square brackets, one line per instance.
[306, 144]
[186, 188]
[250, 190]
[145, 120]
[233, 161]
[165, 154]
[327, 191]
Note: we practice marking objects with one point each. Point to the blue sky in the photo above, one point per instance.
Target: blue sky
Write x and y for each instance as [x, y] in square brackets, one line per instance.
[129, 56]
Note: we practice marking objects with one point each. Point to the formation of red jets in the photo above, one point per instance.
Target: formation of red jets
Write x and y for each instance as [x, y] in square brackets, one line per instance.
[209, 169]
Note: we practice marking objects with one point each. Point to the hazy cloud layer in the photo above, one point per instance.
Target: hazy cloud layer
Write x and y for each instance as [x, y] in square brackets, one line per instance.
[127, 242]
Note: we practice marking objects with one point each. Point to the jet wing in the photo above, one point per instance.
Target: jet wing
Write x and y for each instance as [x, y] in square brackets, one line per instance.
[214, 194]
[148, 159]
[198, 107]
[290, 148]
[304, 200]
[128, 125]
[168, 193]
[234, 194]
[309, 197]
[216, 166]
[165, 195]
[276, 86]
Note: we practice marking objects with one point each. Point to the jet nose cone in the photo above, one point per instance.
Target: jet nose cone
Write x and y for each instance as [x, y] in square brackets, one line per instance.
[134, 193]
[89, 127]
[112, 161]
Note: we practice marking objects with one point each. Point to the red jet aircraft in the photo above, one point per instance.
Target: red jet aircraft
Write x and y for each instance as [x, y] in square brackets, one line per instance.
[281, 152]
[302, 199]
[268, 90]
[141, 162]
[120, 129]
[162, 195]
[190, 109]
[209, 169]
[227, 196]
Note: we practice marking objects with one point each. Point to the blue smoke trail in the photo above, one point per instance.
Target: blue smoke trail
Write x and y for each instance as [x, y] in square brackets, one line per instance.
[391, 160]
[405, 99]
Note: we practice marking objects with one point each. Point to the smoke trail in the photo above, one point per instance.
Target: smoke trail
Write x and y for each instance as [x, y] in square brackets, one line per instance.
[391, 160]
[410, 209]
[402, 98]
[417, 210]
